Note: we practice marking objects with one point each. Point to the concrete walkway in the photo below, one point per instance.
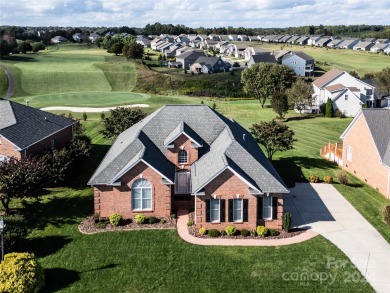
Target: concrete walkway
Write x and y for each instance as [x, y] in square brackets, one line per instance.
[321, 208]
[91, 110]
[11, 82]
[182, 229]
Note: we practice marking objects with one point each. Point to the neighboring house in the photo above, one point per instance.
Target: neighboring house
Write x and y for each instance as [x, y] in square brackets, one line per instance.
[242, 38]
[302, 40]
[209, 65]
[334, 43]
[379, 47]
[203, 37]
[366, 148]
[264, 57]
[323, 42]
[384, 41]
[312, 41]
[171, 52]
[188, 58]
[154, 43]
[233, 37]
[58, 39]
[302, 63]
[144, 42]
[239, 51]
[268, 38]
[79, 37]
[387, 50]
[285, 39]
[293, 40]
[348, 44]
[189, 157]
[363, 46]
[253, 38]
[281, 54]
[93, 37]
[26, 131]
[249, 51]
[335, 84]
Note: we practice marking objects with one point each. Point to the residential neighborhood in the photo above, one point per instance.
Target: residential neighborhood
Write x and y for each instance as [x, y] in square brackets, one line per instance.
[239, 155]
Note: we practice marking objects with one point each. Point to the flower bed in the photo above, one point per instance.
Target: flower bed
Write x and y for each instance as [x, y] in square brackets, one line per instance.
[89, 226]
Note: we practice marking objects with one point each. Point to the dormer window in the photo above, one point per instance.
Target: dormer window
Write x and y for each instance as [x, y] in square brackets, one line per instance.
[182, 157]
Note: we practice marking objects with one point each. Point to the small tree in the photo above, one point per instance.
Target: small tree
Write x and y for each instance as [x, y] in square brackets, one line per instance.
[121, 119]
[38, 46]
[279, 104]
[133, 50]
[329, 108]
[274, 136]
[117, 48]
[85, 117]
[24, 47]
[382, 81]
[300, 95]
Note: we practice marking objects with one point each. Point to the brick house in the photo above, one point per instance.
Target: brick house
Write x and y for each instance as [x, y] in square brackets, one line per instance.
[26, 131]
[189, 157]
[366, 148]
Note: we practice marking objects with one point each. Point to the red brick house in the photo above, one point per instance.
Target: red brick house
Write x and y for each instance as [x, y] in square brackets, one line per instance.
[26, 131]
[366, 148]
[189, 157]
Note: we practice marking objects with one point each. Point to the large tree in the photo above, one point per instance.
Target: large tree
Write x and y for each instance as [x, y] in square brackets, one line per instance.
[300, 95]
[20, 179]
[382, 81]
[279, 104]
[133, 50]
[264, 80]
[24, 47]
[274, 136]
[121, 119]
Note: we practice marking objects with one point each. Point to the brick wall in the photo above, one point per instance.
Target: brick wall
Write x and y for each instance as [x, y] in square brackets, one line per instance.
[117, 199]
[365, 163]
[227, 186]
[192, 153]
[8, 149]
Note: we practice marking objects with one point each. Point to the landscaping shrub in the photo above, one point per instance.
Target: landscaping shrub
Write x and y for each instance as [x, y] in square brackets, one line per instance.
[152, 220]
[20, 273]
[287, 221]
[386, 214]
[342, 176]
[323, 109]
[245, 233]
[314, 179]
[223, 233]
[15, 232]
[230, 230]
[190, 223]
[101, 224]
[140, 218]
[85, 117]
[163, 221]
[328, 179]
[202, 231]
[273, 232]
[261, 231]
[214, 233]
[253, 233]
[115, 219]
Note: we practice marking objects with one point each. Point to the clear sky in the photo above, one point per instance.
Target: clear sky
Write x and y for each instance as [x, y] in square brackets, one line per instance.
[193, 13]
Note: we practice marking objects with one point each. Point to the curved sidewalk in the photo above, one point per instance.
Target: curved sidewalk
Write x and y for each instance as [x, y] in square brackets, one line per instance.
[11, 82]
[182, 229]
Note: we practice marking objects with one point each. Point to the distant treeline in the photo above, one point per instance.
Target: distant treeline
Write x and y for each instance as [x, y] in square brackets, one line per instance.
[46, 33]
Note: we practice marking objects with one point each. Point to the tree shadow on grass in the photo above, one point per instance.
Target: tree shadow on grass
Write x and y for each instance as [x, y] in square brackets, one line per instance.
[44, 246]
[302, 117]
[59, 278]
[19, 58]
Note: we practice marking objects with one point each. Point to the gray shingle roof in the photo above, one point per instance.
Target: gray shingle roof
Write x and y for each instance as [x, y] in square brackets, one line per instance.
[24, 126]
[264, 57]
[226, 145]
[378, 121]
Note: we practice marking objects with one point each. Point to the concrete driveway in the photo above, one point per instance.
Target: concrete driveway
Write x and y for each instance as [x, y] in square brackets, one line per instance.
[323, 209]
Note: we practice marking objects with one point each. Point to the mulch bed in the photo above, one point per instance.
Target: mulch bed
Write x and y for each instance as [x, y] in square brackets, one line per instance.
[87, 226]
[282, 234]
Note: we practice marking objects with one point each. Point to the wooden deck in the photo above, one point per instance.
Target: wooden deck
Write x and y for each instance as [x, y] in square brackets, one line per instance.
[333, 152]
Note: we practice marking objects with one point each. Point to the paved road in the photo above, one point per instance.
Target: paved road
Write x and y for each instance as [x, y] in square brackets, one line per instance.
[323, 209]
[11, 82]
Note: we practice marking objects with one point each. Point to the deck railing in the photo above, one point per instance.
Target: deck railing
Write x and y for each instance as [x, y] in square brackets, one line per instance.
[335, 149]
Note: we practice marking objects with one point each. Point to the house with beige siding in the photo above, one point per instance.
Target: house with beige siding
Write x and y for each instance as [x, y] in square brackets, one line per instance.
[190, 157]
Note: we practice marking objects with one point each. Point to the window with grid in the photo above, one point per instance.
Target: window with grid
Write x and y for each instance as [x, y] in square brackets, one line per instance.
[267, 208]
[182, 157]
[237, 210]
[214, 210]
[141, 192]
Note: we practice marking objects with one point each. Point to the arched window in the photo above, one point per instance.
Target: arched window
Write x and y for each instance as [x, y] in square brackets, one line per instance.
[182, 157]
[141, 192]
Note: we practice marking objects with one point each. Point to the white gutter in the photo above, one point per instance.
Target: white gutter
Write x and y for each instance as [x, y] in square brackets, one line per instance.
[195, 210]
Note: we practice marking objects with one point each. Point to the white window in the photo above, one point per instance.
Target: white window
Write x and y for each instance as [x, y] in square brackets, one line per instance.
[215, 210]
[4, 159]
[141, 192]
[237, 210]
[182, 183]
[267, 207]
[182, 157]
[349, 153]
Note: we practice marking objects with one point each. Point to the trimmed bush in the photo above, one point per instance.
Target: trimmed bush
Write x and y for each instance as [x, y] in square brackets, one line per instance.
[342, 176]
[273, 232]
[202, 231]
[261, 231]
[287, 221]
[20, 273]
[101, 224]
[190, 223]
[314, 179]
[386, 214]
[115, 219]
[253, 233]
[214, 233]
[245, 232]
[140, 218]
[15, 232]
[230, 230]
[328, 179]
[152, 220]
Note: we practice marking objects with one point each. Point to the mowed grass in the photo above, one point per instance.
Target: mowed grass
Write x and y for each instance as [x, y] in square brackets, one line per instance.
[360, 61]
[3, 83]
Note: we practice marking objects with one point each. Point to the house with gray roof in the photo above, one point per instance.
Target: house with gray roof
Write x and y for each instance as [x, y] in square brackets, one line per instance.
[302, 63]
[323, 42]
[302, 40]
[293, 40]
[26, 131]
[263, 57]
[209, 65]
[348, 43]
[366, 148]
[379, 47]
[189, 57]
[189, 157]
[363, 46]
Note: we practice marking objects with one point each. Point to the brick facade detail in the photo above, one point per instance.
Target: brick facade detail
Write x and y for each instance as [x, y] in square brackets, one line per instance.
[366, 163]
[192, 153]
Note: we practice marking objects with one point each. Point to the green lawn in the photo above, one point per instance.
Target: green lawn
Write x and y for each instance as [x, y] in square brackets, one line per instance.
[360, 61]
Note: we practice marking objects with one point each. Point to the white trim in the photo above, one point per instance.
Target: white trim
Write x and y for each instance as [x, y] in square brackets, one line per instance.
[142, 188]
[211, 179]
[195, 211]
[270, 198]
[182, 132]
[242, 210]
[219, 211]
[351, 124]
